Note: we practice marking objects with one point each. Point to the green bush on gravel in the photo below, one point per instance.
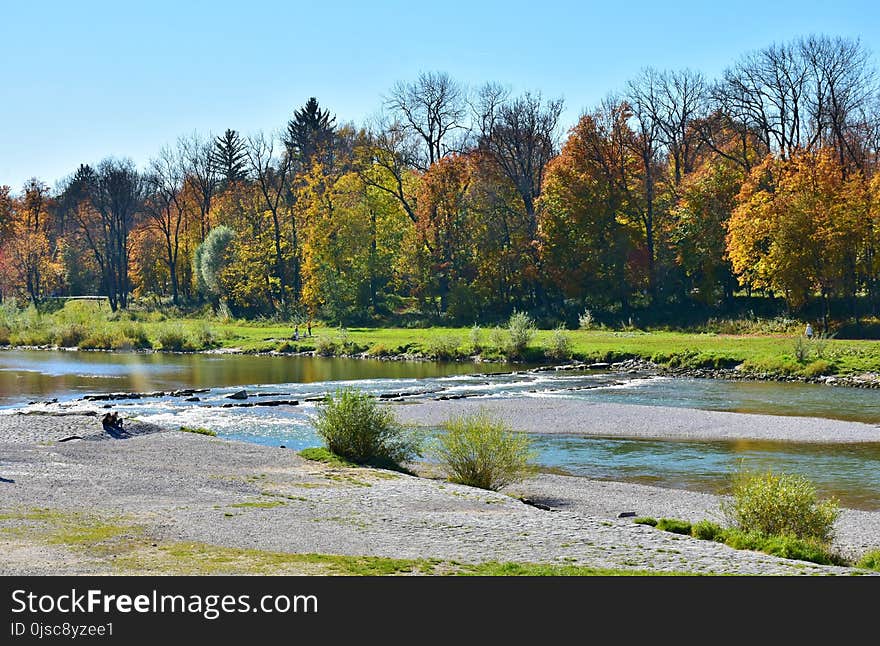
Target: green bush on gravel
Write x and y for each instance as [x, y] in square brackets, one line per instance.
[355, 427]
[707, 530]
[480, 451]
[674, 525]
[870, 560]
[780, 505]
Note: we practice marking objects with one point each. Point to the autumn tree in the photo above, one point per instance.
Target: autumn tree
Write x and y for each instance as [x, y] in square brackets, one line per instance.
[798, 228]
[271, 174]
[166, 207]
[29, 242]
[386, 161]
[520, 136]
[585, 235]
[432, 110]
[29, 248]
[110, 199]
[202, 176]
[445, 232]
[698, 228]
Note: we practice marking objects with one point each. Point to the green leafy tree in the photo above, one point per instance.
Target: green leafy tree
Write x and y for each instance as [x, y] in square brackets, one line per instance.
[209, 260]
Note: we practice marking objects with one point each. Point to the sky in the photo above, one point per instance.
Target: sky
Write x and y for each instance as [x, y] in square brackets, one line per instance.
[80, 81]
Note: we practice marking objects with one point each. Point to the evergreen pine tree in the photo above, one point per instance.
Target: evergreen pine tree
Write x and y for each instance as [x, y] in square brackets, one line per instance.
[310, 132]
[229, 157]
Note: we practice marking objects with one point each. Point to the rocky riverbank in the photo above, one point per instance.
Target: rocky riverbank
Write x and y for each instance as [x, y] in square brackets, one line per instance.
[861, 380]
[170, 502]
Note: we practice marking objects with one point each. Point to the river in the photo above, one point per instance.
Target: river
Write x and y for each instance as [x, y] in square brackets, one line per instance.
[850, 472]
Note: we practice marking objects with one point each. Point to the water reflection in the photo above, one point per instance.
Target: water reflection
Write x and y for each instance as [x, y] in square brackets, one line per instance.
[850, 471]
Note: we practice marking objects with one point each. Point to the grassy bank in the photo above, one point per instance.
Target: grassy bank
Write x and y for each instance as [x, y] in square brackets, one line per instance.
[91, 326]
[122, 546]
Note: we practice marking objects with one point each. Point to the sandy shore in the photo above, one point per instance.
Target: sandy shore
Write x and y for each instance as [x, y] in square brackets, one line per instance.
[171, 502]
[578, 417]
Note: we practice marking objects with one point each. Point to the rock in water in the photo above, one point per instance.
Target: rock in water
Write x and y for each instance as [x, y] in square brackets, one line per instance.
[241, 394]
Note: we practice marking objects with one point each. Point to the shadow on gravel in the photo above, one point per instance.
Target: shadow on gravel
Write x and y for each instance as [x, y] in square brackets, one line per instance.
[132, 429]
[544, 503]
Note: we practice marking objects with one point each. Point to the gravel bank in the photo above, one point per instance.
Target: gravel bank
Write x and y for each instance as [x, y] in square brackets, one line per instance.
[577, 417]
[177, 487]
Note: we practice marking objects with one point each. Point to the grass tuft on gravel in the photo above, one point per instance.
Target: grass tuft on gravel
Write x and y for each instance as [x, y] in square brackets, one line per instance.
[320, 454]
[198, 431]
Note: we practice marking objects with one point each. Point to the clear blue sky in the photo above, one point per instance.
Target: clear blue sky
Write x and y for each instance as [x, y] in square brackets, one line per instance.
[80, 80]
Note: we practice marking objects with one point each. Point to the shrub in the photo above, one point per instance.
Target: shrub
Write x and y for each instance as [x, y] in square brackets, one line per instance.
[498, 340]
[70, 335]
[476, 339]
[788, 547]
[173, 337]
[344, 340]
[136, 336]
[801, 349]
[520, 329]
[780, 505]
[818, 368]
[870, 560]
[707, 530]
[101, 340]
[325, 346]
[203, 337]
[480, 451]
[379, 350]
[586, 320]
[354, 427]
[443, 347]
[560, 345]
[674, 525]
[645, 520]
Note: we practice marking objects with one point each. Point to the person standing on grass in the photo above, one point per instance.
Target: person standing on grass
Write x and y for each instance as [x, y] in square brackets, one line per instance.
[809, 331]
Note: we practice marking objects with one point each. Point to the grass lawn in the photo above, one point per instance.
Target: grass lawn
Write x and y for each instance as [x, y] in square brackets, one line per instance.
[88, 326]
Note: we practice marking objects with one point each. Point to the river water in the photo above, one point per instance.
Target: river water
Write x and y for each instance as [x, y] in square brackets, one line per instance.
[852, 472]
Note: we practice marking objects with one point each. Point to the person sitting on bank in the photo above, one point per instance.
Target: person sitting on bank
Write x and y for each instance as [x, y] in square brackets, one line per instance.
[111, 422]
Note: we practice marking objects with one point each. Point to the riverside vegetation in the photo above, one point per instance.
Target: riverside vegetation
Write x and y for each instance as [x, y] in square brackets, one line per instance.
[774, 513]
[778, 514]
[475, 450]
[774, 347]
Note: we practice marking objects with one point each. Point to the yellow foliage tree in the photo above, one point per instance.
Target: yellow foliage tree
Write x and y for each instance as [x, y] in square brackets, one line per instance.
[799, 227]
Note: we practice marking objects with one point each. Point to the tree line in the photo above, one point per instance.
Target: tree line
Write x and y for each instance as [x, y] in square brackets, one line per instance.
[465, 204]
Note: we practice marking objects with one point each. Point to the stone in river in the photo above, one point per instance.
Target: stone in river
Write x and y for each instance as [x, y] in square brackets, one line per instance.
[241, 394]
